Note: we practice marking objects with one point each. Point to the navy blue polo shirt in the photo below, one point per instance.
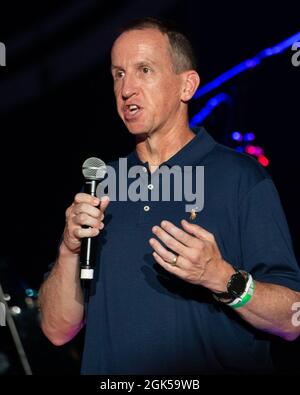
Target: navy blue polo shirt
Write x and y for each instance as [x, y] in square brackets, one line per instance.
[142, 319]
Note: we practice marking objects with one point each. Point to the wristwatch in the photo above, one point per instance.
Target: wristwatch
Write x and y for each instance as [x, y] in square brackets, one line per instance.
[235, 287]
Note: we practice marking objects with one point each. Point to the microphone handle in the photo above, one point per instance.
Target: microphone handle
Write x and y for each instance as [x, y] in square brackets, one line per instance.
[88, 248]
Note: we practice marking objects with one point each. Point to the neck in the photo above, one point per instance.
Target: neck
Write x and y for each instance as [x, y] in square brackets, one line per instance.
[159, 146]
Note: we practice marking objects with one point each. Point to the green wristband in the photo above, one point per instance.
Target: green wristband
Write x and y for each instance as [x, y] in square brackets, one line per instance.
[246, 298]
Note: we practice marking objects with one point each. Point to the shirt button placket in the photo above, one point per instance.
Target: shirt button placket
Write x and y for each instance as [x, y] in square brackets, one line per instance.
[146, 207]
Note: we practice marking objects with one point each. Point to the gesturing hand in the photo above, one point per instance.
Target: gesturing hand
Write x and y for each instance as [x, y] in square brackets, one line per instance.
[195, 258]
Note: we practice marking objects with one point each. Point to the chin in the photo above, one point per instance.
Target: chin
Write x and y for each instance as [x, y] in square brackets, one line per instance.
[136, 129]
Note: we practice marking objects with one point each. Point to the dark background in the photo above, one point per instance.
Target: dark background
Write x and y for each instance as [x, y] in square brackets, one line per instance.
[57, 108]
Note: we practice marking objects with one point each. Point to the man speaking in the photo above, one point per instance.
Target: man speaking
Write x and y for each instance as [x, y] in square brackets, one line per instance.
[174, 292]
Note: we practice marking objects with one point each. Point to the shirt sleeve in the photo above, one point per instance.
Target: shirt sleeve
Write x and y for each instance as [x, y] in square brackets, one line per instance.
[267, 251]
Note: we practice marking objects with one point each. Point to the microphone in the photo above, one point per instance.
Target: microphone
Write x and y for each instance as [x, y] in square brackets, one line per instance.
[93, 170]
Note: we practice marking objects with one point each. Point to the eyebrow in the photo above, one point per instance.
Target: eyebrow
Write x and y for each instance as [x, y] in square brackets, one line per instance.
[113, 67]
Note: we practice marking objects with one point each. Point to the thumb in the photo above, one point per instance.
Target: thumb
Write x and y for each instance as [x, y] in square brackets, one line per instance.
[104, 203]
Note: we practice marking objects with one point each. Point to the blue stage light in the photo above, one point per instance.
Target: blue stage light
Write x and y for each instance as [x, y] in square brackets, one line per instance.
[237, 136]
[249, 136]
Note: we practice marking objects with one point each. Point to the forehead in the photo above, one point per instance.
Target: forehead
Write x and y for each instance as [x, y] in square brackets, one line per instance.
[141, 43]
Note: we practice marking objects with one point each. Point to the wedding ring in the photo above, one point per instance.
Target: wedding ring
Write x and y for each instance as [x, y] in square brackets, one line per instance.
[174, 260]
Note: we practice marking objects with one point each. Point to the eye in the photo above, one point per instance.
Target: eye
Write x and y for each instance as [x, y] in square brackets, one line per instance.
[119, 74]
[145, 69]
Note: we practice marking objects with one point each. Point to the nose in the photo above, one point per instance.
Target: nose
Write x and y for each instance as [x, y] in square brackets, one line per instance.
[129, 87]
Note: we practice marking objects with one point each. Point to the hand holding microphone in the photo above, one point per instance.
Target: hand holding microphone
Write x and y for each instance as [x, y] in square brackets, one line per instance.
[84, 220]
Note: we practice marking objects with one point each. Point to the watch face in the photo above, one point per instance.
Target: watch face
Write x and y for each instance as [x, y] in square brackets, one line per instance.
[237, 284]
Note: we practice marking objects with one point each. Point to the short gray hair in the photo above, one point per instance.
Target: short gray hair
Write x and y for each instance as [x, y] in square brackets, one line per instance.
[182, 52]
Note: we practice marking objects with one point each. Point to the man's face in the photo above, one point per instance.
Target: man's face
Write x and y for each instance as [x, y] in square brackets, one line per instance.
[147, 89]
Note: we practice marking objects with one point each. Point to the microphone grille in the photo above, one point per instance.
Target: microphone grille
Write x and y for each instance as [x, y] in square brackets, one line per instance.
[93, 169]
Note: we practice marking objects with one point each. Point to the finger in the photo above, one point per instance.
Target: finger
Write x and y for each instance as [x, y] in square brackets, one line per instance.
[86, 198]
[170, 268]
[86, 220]
[85, 232]
[104, 203]
[170, 242]
[178, 234]
[87, 209]
[197, 231]
[166, 255]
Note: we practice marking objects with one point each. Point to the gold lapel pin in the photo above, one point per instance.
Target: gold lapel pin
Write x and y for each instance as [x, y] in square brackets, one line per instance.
[193, 214]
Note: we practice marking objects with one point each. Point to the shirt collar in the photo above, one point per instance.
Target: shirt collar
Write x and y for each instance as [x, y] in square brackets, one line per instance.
[188, 155]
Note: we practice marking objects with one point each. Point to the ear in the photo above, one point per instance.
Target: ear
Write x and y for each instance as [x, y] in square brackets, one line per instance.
[191, 81]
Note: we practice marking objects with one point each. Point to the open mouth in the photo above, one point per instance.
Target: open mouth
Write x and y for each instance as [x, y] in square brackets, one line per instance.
[131, 111]
[133, 108]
